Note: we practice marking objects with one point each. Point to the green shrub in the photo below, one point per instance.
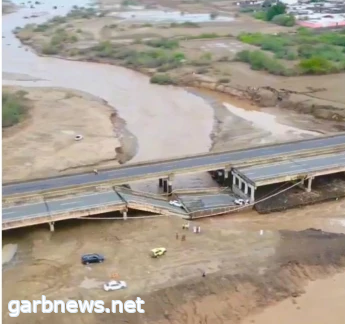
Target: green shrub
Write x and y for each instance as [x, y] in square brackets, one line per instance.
[316, 65]
[275, 10]
[327, 52]
[287, 20]
[205, 35]
[61, 37]
[163, 43]
[14, 108]
[57, 20]
[104, 49]
[41, 28]
[259, 61]
[261, 15]
[162, 78]
[187, 24]
[246, 10]
[49, 49]
[154, 59]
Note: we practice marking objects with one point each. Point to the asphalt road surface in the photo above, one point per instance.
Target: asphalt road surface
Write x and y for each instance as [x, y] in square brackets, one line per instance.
[207, 201]
[82, 202]
[294, 167]
[170, 166]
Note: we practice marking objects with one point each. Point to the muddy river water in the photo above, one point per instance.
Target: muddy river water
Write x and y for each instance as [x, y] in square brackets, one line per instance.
[167, 122]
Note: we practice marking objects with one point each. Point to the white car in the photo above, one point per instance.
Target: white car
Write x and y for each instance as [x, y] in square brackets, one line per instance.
[115, 285]
[241, 202]
[175, 203]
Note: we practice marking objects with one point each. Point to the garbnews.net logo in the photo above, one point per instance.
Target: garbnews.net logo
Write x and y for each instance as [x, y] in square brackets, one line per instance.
[16, 307]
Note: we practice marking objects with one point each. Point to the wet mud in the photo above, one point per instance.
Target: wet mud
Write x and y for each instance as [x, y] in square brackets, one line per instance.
[223, 298]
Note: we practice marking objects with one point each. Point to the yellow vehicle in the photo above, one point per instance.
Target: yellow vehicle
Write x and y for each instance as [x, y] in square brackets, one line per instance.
[155, 253]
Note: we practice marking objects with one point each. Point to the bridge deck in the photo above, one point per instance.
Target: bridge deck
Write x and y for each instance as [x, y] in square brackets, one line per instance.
[156, 169]
[293, 169]
[202, 202]
[82, 205]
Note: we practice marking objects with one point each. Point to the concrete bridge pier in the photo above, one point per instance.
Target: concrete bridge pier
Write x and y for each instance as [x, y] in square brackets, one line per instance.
[165, 185]
[307, 187]
[51, 226]
[220, 176]
[310, 180]
[124, 214]
[227, 177]
[169, 187]
[170, 180]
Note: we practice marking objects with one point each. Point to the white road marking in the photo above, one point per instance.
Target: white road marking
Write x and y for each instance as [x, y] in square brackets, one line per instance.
[7, 213]
[70, 203]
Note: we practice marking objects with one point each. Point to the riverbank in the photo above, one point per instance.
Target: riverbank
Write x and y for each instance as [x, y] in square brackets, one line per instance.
[173, 56]
[32, 148]
[8, 7]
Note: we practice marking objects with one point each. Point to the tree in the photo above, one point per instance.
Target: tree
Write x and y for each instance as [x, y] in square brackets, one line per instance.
[275, 10]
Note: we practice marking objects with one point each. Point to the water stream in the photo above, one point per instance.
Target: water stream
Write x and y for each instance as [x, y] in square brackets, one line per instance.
[167, 121]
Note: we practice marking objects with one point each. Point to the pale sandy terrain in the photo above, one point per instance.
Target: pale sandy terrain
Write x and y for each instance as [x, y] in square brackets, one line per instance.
[44, 144]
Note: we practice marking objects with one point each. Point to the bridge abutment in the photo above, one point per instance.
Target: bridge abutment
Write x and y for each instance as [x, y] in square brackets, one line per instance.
[242, 188]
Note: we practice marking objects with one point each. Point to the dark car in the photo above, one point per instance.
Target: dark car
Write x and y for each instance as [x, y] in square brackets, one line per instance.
[92, 258]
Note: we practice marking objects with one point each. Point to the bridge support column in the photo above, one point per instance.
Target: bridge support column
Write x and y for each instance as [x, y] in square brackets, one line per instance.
[124, 214]
[160, 182]
[251, 194]
[310, 180]
[170, 180]
[165, 185]
[227, 177]
[169, 187]
[220, 176]
[51, 226]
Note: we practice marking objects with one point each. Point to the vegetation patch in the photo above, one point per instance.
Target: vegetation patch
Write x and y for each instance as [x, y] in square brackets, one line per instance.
[260, 61]
[325, 50]
[277, 15]
[162, 78]
[187, 24]
[14, 107]
[163, 43]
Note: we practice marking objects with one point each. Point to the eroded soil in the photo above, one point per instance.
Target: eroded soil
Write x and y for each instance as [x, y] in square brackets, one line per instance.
[45, 145]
